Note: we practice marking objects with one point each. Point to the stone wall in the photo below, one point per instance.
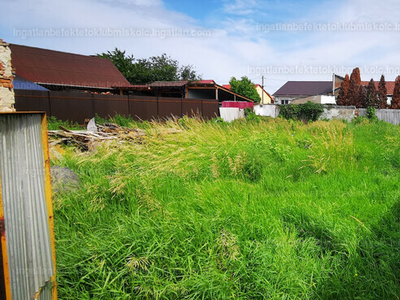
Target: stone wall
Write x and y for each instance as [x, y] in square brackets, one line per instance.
[7, 99]
[347, 113]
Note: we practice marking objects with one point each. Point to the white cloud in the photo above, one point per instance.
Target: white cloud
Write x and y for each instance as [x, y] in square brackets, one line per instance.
[231, 49]
[241, 7]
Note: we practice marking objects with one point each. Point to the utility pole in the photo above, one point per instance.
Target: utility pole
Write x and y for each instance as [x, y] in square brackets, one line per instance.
[262, 92]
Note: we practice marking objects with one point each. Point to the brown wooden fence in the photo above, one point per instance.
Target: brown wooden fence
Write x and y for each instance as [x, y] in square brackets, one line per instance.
[77, 107]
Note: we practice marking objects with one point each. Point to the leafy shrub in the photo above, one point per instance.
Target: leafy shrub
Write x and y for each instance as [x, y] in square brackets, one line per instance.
[248, 111]
[122, 120]
[99, 120]
[117, 119]
[305, 112]
[371, 113]
[216, 120]
[289, 112]
[359, 120]
[251, 115]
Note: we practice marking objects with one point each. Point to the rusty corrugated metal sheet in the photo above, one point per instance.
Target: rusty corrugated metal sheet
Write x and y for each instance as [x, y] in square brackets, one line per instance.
[50, 67]
[25, 208]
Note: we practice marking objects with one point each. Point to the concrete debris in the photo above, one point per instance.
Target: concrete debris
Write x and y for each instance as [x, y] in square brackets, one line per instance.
[63, 179]
[91, 126]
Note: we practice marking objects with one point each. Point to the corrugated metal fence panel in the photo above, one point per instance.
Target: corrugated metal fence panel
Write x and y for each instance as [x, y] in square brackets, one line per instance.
[143, 107]
[110, 105]
[46, 292]
[78, 106]
[191, 107]
[27, 233]
[73, 106]
[169, 107]
[27, 100]
[210, 108]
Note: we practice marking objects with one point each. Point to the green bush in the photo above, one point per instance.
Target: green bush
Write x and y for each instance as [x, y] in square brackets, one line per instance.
[304, 112]
[251, 115]
[371, 113]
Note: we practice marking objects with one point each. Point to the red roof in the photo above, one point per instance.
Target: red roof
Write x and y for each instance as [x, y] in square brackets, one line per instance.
[51, 67]
[227, 86]
[389, 86]
[210, 81]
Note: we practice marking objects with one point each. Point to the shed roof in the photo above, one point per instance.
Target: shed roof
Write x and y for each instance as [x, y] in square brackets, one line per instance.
[169, 84]
[51, 67]
[304, 88]
[208, 81]
[21, 83]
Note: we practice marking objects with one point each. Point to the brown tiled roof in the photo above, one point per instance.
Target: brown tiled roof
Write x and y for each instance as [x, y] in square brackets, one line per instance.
[304, 88]
[60, 68]
[389, 86]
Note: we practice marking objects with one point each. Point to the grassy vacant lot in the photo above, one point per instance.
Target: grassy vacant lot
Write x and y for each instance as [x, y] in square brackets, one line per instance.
[267, 210]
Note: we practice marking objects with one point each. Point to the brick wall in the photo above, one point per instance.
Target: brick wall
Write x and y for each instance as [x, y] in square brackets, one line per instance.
[6, 79]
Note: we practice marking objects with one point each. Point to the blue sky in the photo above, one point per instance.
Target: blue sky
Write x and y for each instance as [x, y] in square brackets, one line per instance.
[279, 39]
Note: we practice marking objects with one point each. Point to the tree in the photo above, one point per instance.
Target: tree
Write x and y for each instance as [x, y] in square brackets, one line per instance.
[342, 97]
[362, 96]
[188, 73]
[396, 94]
[244, 87]
[354, 87]
[355, 75]
[372, 95]
[163, 68]
[122, 61]
[382, 93]
[154, 68]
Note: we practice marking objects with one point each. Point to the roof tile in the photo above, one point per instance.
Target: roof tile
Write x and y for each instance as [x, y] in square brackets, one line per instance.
[304, 88]
[60, 68]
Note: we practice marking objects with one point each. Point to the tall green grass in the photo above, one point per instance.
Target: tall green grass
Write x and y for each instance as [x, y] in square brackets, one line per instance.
[273, 209]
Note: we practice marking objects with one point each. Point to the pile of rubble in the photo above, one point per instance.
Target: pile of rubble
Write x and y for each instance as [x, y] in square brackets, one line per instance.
[88, 139]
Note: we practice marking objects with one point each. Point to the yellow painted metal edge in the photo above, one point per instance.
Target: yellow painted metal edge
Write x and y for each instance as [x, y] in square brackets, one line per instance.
[49, 201]
[3, 245]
